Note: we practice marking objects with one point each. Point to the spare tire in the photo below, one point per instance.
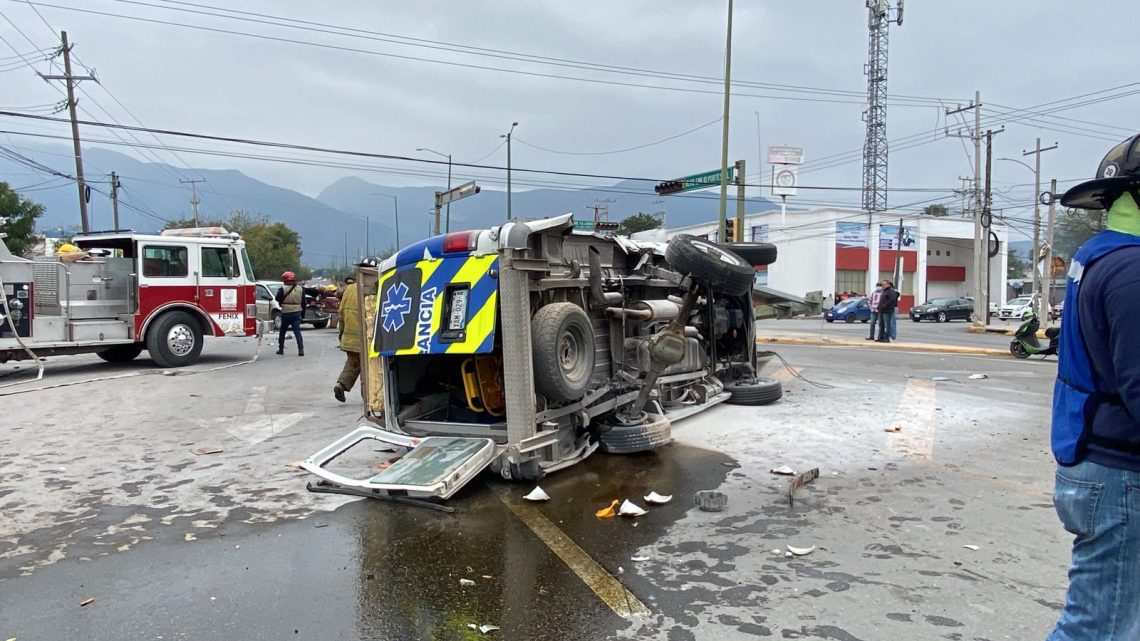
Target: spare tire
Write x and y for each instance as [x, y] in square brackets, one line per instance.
[562, 344]
[761, 391]
[754, 253]
[710, 264]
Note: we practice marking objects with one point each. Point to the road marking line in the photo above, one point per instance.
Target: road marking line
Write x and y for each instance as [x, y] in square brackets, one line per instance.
[608, 588]
[916, 417]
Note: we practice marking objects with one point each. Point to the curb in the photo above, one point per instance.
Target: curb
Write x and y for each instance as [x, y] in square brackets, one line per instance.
[909, 347]
[985, 329]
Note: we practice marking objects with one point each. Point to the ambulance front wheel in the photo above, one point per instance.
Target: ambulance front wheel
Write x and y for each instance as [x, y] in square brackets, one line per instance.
[174, 340]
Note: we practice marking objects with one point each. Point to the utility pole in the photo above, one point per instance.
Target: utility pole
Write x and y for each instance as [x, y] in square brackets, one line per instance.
[70, 80]
[724, 132]
[987, 219]
[194, 196]
[1049, 245]
[759, 158]
[661, 212]
[981, 310]
[508, 137]
[115, 198]
[1037, 212]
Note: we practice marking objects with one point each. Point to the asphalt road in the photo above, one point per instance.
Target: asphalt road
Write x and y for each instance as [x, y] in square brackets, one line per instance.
[104, 498]
[951, 333]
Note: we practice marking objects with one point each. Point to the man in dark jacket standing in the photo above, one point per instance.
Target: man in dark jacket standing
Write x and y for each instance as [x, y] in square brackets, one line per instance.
[888, 302]
[292, 299]
[1096, 410]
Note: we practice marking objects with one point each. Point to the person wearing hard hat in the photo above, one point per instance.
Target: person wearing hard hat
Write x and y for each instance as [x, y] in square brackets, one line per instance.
[291, 296]
[1096, 410]
[351, 336]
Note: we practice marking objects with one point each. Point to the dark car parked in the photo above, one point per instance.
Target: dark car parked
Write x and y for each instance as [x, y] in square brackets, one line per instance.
[942, 310]
[850, 310]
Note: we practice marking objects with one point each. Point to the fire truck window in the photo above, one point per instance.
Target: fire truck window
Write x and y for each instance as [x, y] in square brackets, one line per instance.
[165, 261]
[217, 262]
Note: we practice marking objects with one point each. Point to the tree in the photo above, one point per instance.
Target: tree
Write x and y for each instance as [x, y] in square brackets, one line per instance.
[637, 222]
[18, 219]
[936, 209]
[273, 248]
[1017, 267]
[1073, 227]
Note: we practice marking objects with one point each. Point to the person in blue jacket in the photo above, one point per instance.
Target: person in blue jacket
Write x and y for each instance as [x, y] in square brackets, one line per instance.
[1096, 410]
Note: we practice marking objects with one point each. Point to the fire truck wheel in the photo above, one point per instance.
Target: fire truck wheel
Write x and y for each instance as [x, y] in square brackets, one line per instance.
[321, 324]
[655, 431]
[121, 353]
[174, 340]
[709, 263]
[760, 391]
[563, 351]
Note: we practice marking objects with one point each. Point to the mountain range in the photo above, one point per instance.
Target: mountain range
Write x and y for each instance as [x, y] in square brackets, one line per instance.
[330, 225]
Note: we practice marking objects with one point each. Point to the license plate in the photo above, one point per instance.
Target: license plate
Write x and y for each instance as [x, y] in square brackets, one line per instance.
[457, 317]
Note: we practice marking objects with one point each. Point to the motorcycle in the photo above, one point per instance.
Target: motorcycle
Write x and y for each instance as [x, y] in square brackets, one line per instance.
[1025, 343]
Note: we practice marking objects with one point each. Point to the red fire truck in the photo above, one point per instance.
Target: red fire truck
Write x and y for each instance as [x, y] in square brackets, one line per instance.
[126, 292]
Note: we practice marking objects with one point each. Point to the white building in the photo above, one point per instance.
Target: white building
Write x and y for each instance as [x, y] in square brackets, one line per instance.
[827, 250]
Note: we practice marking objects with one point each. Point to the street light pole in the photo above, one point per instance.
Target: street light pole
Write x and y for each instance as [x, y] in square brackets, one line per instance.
[396, 205]
[508, 137]
[447, 228]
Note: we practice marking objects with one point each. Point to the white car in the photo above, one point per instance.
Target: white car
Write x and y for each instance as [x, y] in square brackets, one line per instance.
[1017, 308]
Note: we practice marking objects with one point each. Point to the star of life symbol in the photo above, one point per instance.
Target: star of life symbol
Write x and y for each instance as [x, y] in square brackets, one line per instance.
[397, 305]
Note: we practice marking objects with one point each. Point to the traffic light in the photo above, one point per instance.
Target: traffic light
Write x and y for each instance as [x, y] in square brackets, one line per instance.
[670, 187]
[730, 230]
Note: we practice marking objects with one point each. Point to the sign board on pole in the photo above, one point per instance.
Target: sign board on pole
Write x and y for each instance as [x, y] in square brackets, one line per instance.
[459, 193]
[784, 180]
[707, 179]
[786, 155]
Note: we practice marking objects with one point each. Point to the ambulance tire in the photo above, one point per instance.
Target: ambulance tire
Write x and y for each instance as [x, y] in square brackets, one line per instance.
[174, 340]
[761, 391]
[562, 344]
[121, 353]
[711, 264]
[655, 432]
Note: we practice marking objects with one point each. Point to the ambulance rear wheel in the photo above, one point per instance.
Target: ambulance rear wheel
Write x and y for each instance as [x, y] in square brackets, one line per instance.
[175, 340]
[121, 353]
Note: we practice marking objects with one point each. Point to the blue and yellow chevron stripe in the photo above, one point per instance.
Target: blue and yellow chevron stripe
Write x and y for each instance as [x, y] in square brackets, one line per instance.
[428, 310]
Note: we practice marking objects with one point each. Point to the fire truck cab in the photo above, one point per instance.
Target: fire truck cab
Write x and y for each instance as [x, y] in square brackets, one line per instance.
[126, 292]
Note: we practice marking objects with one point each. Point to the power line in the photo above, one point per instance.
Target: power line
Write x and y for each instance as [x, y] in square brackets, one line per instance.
[619, 151]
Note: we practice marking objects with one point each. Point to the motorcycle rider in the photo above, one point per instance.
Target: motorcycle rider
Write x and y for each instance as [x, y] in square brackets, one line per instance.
[1096, 410]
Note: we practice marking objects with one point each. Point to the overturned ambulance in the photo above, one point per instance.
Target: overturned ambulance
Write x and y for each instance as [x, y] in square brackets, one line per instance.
[526, 347]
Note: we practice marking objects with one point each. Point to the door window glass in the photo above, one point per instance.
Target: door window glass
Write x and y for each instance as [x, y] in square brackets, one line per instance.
[217, 262]
[165, 261]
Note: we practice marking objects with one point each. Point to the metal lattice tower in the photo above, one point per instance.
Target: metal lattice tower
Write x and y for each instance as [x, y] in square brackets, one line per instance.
[875, 146]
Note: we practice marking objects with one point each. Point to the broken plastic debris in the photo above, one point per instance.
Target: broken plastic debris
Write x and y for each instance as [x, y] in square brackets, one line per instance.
[537, 494]
[801, 551]
[776, 552]
[971, 547]
[488, 577]
[638, 559]
[657, 499]
[488, 628]
[86, 602]
[894, 428]
[629, 508]
[295, 465]
[783, 470]
[207, 450]
[466, 582]
[608, 512]
[711, 501]
[472, 626]
[977, 377]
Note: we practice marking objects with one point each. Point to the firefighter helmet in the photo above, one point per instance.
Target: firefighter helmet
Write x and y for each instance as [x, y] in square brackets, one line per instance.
[67, 248]
[288, 276]
[1119, 172]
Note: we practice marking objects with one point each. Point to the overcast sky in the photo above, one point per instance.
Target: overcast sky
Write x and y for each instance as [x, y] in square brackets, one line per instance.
[1019, 53]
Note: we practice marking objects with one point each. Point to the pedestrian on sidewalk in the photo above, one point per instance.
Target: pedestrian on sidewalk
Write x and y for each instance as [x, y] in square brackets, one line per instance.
[291, 296]
[351, 336]
[1096, 410]
[888, 303]
[876, 296]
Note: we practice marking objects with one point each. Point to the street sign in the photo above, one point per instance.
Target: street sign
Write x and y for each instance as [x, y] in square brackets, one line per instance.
[459, 193]
[786, 155]
[784, 180]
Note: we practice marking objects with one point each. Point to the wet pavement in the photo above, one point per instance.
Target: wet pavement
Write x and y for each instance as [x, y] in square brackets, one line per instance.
[104, 499]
